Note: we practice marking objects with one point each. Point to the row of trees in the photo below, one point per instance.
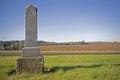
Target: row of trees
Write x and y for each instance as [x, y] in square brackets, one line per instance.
[18, 45]
[8, 46]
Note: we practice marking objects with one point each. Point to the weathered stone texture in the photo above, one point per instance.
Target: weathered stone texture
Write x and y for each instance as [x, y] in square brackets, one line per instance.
[30, 64]
[31, 60]
[31, 26]
[30, 33]
[30, 51]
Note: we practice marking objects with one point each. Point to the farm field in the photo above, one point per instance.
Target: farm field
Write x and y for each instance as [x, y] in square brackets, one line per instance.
[108, 46]
[93, 48]
[67, 67]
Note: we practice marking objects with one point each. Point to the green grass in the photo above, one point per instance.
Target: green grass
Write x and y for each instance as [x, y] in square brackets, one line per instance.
[67, 67]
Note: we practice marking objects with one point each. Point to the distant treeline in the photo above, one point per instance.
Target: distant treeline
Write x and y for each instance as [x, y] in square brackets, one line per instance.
[11, 45]
[18, 45]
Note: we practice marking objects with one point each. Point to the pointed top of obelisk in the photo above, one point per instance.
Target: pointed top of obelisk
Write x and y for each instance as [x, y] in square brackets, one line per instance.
[30, 6]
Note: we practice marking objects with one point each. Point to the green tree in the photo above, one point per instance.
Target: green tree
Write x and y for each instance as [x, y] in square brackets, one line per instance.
[7, 45]
[17, 46]
[83, 42]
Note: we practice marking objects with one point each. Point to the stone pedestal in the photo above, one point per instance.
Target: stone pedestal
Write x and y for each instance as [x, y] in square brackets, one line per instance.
[30, 64]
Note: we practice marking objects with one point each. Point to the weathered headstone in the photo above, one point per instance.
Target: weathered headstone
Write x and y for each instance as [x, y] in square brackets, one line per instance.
[31, 60]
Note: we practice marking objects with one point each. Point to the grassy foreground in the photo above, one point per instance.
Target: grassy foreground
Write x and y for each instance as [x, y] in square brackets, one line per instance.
[67, 67]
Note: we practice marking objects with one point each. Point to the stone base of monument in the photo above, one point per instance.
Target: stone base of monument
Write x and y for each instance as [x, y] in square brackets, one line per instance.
[30, 64]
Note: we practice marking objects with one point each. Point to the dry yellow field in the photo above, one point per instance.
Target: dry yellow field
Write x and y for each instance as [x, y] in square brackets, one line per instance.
[109, 46]
[94, 48]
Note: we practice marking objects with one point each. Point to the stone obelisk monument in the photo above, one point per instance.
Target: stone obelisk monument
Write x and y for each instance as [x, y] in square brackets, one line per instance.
[31, 60]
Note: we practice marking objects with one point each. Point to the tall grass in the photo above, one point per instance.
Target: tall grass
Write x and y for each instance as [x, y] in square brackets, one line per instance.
[67, 67]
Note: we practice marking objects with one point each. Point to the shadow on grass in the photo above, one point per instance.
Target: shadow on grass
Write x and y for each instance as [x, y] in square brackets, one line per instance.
[11, 72]
[116, 64]
[66, 68]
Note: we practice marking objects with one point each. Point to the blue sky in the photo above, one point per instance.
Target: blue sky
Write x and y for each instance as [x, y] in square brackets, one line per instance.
[63, 20]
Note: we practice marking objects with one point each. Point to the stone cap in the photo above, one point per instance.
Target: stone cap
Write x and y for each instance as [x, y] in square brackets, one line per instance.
[30, 6]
